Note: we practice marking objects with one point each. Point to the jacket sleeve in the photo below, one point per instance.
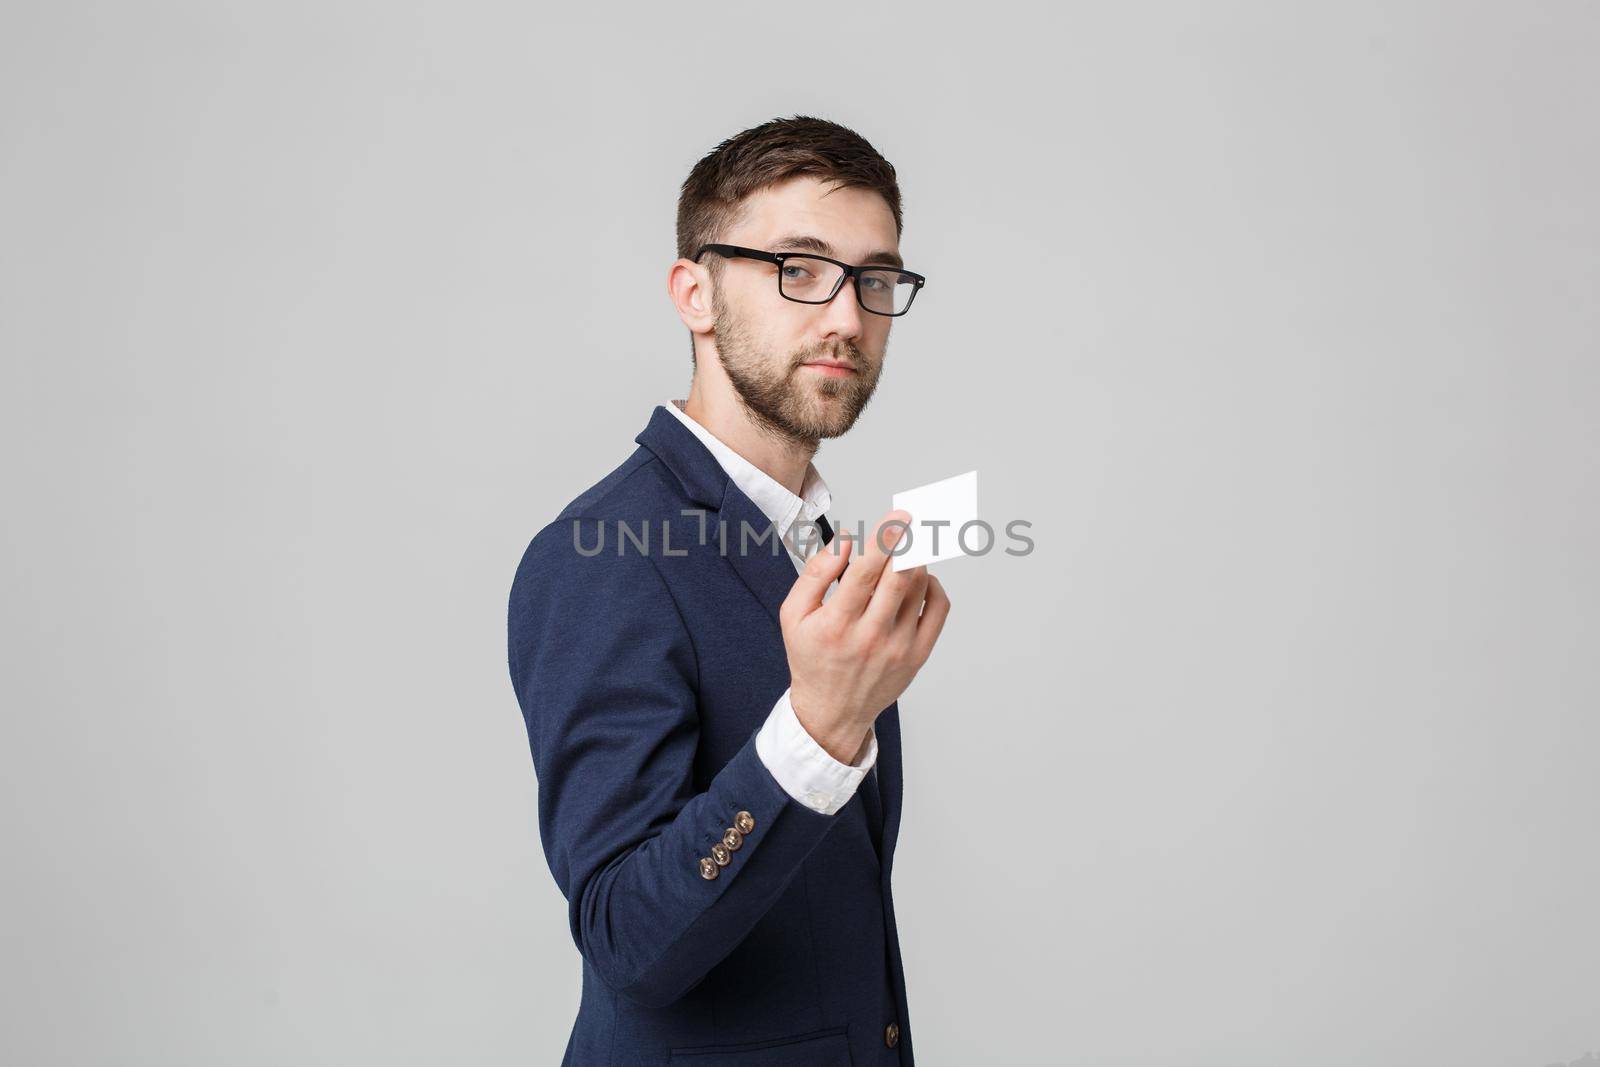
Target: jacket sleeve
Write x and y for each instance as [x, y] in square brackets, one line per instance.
[605, 670]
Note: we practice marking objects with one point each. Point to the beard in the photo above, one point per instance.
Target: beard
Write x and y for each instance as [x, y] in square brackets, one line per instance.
[785, 401]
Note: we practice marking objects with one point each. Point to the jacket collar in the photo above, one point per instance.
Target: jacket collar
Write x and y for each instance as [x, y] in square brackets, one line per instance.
[766, 567]
[704, 480]
[774, 499]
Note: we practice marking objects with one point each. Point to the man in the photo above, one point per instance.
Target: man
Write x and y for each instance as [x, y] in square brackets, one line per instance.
[717, 745]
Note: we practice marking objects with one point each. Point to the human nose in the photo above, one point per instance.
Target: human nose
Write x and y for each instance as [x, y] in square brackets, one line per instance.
[842, 314]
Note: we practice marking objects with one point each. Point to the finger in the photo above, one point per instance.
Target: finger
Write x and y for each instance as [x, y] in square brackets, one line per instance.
[805, 595]
[916, 588]
[861, 577]
[934, 612]
[896, 590]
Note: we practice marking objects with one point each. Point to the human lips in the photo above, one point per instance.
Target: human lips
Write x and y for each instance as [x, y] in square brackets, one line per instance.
[830, 367]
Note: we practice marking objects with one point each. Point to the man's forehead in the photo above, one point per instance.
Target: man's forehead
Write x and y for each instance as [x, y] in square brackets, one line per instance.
[806, 215]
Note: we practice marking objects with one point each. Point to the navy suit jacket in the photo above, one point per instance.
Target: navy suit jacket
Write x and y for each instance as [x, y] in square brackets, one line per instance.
[643, 676]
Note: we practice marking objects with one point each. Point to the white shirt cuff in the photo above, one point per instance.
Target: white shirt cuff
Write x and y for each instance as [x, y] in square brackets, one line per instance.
[803, 767]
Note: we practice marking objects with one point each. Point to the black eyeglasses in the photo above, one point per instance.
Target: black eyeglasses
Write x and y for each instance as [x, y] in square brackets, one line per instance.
[811, 279]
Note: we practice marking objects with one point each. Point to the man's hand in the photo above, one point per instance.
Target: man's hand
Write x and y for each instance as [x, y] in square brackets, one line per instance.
[853, 656]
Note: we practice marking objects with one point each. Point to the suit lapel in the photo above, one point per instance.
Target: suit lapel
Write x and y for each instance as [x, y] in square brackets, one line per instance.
[739, 523]
[887, 787]
[770, 575]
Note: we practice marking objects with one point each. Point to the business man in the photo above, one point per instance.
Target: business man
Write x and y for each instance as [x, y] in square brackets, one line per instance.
[716, 735]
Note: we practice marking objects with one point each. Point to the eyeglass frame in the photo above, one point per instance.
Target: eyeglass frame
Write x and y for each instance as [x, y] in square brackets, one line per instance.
[853, 273]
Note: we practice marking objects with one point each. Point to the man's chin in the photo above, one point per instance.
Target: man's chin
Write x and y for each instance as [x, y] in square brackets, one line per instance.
[835, 423]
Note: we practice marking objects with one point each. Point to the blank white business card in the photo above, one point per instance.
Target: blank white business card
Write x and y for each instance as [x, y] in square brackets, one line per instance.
[950, 504]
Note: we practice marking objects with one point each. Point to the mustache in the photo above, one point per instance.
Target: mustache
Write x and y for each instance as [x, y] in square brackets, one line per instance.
[847, 353]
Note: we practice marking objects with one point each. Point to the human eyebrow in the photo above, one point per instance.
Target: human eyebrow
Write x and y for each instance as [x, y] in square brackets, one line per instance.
[805, 242]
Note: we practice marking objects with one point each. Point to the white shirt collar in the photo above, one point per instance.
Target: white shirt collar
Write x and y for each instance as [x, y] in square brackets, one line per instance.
[780, 506]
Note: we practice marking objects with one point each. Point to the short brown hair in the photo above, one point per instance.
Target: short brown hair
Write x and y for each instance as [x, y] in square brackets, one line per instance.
[765, 155]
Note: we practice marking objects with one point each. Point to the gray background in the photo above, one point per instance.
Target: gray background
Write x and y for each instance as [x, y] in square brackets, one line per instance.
[1278, 322]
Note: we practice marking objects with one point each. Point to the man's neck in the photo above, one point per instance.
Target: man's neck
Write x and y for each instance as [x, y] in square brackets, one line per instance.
[783, 460]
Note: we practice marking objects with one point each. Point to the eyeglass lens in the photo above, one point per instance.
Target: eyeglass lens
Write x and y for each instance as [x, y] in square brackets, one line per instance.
[812, 281]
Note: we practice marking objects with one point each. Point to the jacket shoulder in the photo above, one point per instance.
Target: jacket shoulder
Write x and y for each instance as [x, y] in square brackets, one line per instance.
[571, 575]
[639, 487]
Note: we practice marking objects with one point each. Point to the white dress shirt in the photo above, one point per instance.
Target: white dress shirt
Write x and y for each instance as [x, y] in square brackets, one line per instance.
[804, 768]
